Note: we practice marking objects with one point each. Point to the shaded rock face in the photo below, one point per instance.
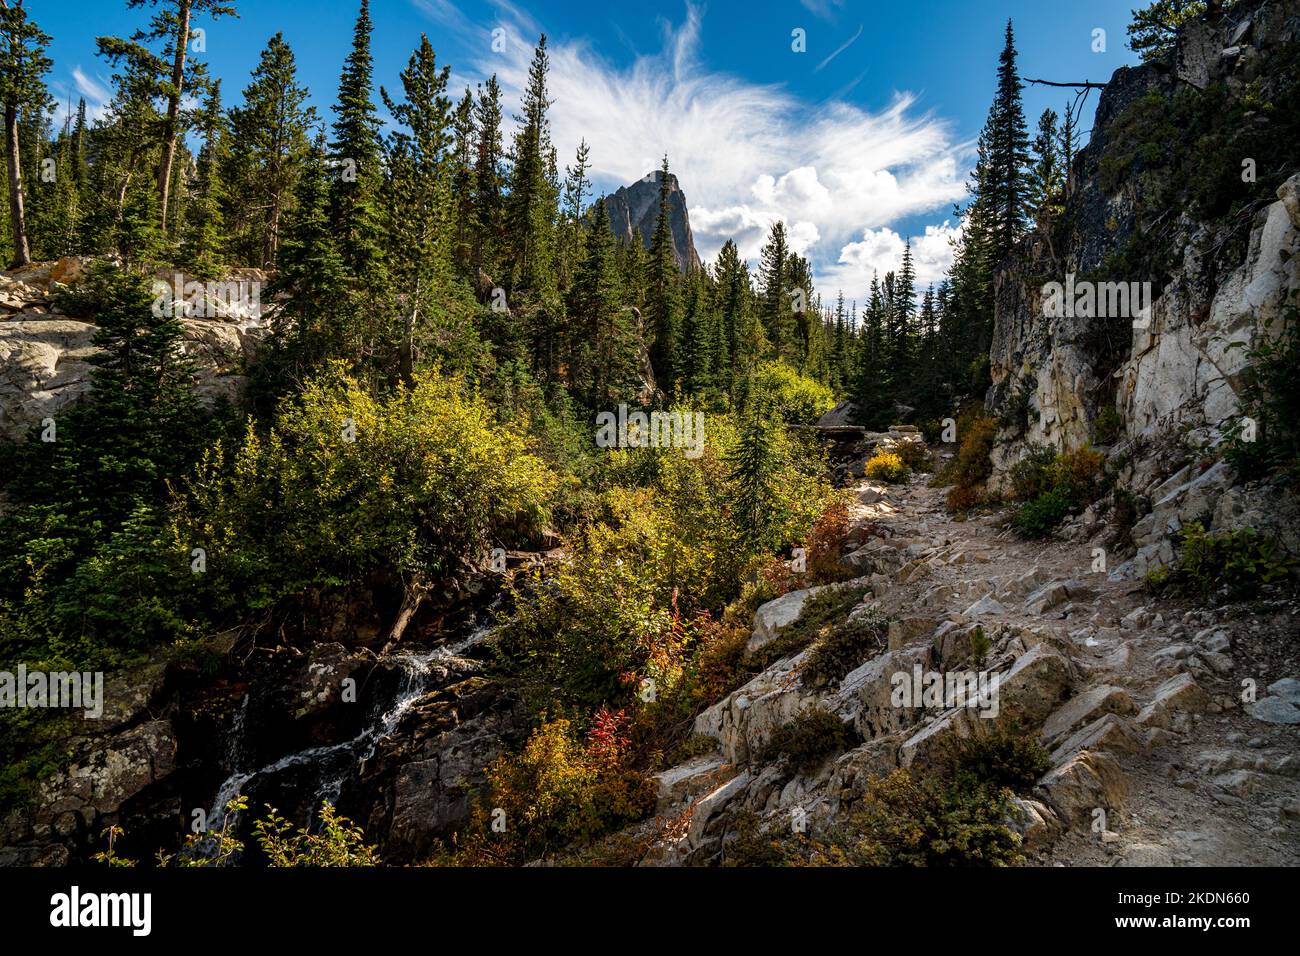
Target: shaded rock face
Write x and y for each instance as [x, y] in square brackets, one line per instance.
[634, 211]
[1174, 376]
[398, 743]
[45, 357]
[1178, 369]
[421, 782]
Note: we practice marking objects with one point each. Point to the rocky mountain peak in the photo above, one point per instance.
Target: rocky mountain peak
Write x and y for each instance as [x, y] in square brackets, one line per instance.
[634, 211]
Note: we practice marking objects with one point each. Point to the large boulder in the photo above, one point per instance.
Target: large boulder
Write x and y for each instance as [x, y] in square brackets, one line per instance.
[776, 614]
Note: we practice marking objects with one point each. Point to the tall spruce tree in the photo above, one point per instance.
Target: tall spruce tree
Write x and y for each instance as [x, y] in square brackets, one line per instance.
[273, 128]
[489, 183]
[420, 209]
[312, 320]
[204, 227]
[357, 157]
[576, 185]
[604, 342]
[733, 307]
[1046, 176]
[530, 206]
[663, 291]
[23, 65]
[1008, 154]
[462, 179]
[774, 291]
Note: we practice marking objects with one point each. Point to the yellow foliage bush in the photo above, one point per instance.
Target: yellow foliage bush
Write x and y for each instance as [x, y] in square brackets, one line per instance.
[559, 792]
[887, 466]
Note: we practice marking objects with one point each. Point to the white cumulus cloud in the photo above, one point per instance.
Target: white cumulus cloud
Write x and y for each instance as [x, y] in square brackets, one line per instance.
[747, 154]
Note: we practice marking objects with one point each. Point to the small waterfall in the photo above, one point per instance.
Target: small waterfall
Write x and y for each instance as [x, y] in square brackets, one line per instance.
[332, 764]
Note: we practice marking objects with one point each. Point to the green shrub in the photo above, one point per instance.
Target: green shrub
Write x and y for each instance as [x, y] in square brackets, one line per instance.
[795, 398]
[334, 842]
[1033, 474]
[1108, 426]
[755, 844]
[1005, 758]
[821, 613]
[905, 821]
[812, 736]
[1236, 562]
[915, 455]
[1271, 399]
[847, 644]
[347, 484]
[626, 602]
[1053, 487]
[1017, 409]
[1038, 518]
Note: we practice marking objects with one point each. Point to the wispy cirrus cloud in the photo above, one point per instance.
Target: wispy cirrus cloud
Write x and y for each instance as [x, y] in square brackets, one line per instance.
[94, 89]
[839, 49]
[746, 153]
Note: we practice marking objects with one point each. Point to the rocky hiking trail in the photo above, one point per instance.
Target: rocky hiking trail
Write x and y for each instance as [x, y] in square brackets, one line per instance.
[1156, 759]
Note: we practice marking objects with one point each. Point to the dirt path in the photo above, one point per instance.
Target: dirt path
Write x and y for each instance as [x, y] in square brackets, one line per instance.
[1156, 758]
[1218, 786]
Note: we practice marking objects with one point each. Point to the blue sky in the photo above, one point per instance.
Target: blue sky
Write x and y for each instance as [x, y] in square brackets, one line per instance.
[860, 140]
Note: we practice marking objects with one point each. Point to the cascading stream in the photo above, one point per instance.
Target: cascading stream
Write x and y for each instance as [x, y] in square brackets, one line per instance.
[332, 764]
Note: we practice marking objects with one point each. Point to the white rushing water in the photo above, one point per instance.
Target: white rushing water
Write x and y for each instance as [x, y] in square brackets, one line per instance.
[335, 763]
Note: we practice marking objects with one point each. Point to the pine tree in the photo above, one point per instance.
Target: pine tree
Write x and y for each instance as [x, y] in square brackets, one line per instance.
[489, 183]
[806, 345]
[140, 423]
[699, 360]
[904, 308]
[663, 295]
[576, 185]
[751, 473]
[774, 291]
[314, 322]
[1046, 176]
[23, 65]
[62, 234]
[125, 146]
[201, 250]
[1067, 142]
[357, 156]
[462, 179]
[603, 343]
[872, 385]
[273, 128]
[1008, 154]
[839, 347]
[530, 207]
[996, 218]
[733, 310]
[420, 209]
[1155, 27]
[175, 75]
[58, 233]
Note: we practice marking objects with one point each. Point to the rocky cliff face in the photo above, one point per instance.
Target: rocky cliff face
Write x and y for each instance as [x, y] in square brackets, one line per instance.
[45, 355]
[1166, 386]
[634, 212]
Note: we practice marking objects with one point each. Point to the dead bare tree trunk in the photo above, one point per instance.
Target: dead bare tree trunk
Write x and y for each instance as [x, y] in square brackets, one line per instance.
[412, 599]
[173, 108]
[22, 253]
[406, 351]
